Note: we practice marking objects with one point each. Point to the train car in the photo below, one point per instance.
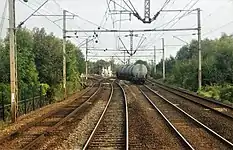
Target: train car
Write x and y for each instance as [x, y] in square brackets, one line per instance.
[134, 73]
[139, 73]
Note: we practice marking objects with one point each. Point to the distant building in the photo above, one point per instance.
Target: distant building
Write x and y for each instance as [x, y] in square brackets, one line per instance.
[106, 72]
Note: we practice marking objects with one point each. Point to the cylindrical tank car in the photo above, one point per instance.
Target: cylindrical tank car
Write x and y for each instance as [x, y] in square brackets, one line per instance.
[134, 73]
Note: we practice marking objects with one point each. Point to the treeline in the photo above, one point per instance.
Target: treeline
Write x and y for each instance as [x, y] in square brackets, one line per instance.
[39, 64]
[96, 67]
[217, 68]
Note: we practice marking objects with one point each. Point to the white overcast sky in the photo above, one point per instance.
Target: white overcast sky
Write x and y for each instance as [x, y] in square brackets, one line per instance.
[216, 18]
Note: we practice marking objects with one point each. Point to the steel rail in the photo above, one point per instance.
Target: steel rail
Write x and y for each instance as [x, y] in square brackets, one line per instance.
[102, 115]
[51, 129]
[126, 118]
[194, 95]
[44, 116]
[196, 102]
[192, 118]
[100, 119]
[169, 123]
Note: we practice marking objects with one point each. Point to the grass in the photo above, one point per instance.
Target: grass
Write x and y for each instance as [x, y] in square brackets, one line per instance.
[3, 125]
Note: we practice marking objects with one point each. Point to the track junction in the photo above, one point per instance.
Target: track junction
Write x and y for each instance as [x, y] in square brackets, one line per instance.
[115, 114]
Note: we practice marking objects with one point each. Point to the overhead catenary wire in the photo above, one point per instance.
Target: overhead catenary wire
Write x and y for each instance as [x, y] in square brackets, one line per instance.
[76, 15]
[167, 23]
[21, 23]
[177, 19]
[3, 18]
[216, 29]
[133, 7]
[105, 17]
[41, 14]
[37, 4]
[58, 4]
[215, 11]
[185, 14]
[129, 6]
[162, 18]
[165, 4]
[120, 6]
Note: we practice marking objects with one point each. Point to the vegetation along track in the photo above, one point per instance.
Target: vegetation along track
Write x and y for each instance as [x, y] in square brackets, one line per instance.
[111, 131]
[30, 136]
[194, 133]
[214, 118]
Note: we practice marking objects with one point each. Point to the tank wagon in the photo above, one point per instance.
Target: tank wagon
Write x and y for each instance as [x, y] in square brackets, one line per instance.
[134, 73]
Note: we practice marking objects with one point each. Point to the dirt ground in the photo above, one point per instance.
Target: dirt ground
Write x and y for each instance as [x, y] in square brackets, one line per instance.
[22, 121]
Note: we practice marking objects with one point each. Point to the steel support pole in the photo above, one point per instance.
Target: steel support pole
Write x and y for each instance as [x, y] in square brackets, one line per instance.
[131, 43]
[124, 57]
[16, 66]
[155, 60]
[12, 59]
[199, 49]
[64, 53]
[164, 67]
[147, 18]
[86, 57]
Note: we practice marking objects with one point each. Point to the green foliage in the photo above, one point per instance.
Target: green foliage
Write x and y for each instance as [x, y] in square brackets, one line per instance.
[40, 63]
[219, 92]
[211, 91]
[48, 57]
[4, 63]
[96, 67]
[27, 73]
[44, 88]
[217, 67]
[5, 89]
[227, 93]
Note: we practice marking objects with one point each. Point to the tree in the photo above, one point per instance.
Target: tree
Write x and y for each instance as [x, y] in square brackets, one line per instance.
[5, 64]
[217, 63]
[48, 57]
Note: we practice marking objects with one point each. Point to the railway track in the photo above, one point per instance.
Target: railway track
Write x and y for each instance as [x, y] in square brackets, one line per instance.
[29, 137]
[215, 115]
[193, 133]
[111, 131]
[223, 109]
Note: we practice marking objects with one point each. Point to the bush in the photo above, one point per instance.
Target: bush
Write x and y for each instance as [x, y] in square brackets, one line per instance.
[227, 93]
[222, 93]
[44, 88]
[211, 92]
[5, 89]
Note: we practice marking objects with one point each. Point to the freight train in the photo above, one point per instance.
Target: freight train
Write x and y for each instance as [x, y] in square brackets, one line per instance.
[134, 73]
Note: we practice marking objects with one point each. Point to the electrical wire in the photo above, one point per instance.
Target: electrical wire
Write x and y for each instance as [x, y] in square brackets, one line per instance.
[3, 19]
[162, 18]
[40, 14]
[58, 4]
[216, 10]
[120, 5]
[42, 9]
[185, 14]
[108, 6]
[216, 29]
[129, 6]
[21, 23]
[165, 4]
[76, 15]
[166, 24]
[177, 19]
[133, 7]
[105, 17]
